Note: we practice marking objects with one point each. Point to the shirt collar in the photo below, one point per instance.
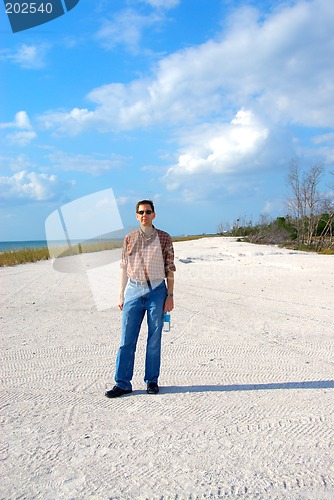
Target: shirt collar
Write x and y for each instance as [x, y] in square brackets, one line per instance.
[143, 235]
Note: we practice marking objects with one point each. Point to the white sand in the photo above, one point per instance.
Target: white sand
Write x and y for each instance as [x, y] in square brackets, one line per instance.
[246, 407]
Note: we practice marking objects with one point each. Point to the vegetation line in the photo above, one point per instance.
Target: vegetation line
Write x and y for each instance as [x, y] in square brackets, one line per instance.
[25, 255]
[308, 225]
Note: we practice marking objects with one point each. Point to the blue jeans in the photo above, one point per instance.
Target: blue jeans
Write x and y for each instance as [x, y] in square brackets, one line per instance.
[137, 301]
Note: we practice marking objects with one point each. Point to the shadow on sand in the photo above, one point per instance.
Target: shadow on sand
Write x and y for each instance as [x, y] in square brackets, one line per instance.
[316, 384]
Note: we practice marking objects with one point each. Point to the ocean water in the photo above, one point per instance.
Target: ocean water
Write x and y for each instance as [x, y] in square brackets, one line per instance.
[7, 246]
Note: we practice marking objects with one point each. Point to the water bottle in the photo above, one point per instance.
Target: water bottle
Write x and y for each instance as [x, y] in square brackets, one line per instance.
[166, 322]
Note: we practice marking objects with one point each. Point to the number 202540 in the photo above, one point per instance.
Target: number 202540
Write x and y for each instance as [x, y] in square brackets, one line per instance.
[28, 8]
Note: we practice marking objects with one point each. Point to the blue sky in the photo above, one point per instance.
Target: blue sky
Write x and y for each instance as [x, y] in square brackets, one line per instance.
[199, 105]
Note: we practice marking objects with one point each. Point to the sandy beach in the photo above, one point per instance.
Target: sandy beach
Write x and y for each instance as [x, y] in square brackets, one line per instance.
[246, 406]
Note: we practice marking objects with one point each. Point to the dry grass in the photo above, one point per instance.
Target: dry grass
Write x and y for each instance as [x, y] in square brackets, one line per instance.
[15, 257]
[85, 247]
[24, 255]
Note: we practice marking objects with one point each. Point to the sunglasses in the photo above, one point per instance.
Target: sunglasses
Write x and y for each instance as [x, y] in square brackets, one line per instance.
[147, 212]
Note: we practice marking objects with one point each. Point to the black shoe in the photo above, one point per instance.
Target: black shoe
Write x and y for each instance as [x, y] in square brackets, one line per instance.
[116, 392]
[152, 388]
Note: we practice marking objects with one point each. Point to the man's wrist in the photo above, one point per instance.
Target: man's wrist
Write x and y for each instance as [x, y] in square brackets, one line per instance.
[170, 294]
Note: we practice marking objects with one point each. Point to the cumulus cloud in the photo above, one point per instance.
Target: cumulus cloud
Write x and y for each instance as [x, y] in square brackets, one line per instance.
[21, 121]
[220, 147]
[24, 133]
[281, 66]
[229, 102]
[223, 157]
[71, 122]
[26, 185]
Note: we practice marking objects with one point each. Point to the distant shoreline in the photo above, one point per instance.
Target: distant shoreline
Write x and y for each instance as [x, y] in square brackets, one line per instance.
[9, 246]
[13, 253]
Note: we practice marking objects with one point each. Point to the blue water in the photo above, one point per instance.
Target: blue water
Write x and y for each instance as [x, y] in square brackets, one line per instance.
[18, 245]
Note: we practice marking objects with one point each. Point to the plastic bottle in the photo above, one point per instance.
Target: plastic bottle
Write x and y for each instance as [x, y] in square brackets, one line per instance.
[166, 327]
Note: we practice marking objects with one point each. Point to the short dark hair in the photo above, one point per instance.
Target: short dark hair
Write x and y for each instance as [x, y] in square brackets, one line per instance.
[145, 202]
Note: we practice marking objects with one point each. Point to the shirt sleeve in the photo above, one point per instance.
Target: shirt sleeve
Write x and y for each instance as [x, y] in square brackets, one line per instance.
[169, 255]
[124, 259]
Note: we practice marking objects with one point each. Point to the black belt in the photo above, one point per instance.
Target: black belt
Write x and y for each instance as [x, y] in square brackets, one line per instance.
[145, 282]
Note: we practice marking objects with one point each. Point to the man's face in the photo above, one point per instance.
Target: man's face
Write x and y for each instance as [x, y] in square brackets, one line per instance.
[143, 217]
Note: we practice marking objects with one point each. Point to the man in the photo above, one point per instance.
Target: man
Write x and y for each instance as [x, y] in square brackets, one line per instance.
[147, 261]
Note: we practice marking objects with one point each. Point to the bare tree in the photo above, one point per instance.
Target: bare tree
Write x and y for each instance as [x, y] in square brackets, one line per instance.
[295, 205]
[326, 235]
[306, 202]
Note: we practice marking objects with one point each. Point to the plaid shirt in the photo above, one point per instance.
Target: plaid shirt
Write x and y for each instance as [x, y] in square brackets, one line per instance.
[149, 258]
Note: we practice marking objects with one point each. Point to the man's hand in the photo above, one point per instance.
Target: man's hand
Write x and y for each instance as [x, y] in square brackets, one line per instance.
[169, 304]
[123, 279]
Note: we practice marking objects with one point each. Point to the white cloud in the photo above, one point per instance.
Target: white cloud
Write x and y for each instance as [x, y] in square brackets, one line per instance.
[69, 123]
[15, 164]
[30, 186]
[126, 28]
[274, 206]
[29, 56]
[229, 101]
[221, 148]
[124, 200]
[325, 147]
[94, 165]
[281, 67]
[324, 139]
[22, 138]
[25, 133]
[21, 121]
[163, 4]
